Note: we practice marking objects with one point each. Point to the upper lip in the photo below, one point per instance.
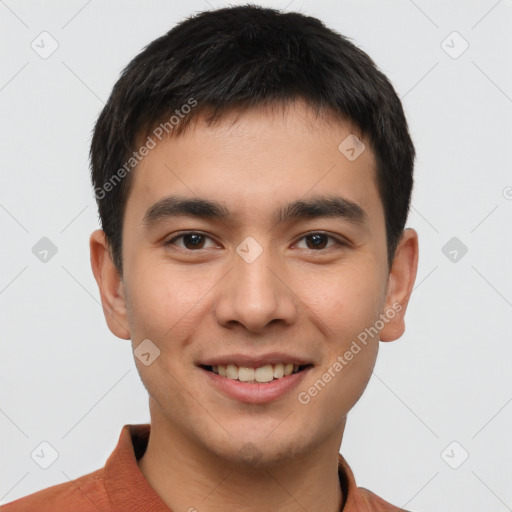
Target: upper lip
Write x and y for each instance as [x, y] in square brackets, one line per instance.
[255, 361]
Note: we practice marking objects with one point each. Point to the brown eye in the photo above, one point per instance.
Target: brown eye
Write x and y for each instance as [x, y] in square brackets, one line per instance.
[193, 241]
[318, 241]
[189, 241]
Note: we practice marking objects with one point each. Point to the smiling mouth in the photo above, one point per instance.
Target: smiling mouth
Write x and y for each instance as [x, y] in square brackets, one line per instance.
[260, 375]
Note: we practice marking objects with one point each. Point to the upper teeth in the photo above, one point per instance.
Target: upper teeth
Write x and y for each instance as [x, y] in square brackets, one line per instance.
[262, 374]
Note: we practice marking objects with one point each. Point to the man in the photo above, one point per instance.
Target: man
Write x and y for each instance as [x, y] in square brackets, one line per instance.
[253, 172]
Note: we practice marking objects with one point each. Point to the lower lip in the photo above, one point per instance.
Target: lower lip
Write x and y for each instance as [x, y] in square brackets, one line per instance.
[256, 393]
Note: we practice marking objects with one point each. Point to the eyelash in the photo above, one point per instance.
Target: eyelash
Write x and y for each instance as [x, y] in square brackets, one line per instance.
[339, 242]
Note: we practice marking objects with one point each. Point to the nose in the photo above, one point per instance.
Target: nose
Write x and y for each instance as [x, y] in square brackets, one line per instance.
[255, 294]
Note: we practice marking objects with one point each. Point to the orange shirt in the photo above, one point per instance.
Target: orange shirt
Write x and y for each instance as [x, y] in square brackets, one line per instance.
[121, 487]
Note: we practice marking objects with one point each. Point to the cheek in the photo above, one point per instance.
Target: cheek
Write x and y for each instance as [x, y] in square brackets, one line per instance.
[345, 304]
[345, 299]
[165, 302]
[338, 385]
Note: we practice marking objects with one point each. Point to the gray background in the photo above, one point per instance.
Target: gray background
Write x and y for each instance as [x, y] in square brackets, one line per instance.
[65, 379]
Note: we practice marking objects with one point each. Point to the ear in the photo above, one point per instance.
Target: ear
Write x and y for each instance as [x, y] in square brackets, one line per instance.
[400, 284]
[110, 284]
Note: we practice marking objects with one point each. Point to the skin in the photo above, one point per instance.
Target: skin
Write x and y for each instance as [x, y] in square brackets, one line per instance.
[295, 298]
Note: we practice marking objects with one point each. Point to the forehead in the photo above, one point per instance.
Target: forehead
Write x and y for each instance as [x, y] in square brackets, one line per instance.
[258, 160]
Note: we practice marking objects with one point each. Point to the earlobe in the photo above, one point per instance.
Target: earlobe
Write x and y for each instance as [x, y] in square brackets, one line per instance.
[400, 285]
[110, 285]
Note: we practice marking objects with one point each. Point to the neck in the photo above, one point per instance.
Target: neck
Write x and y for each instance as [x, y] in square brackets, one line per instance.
[190, 477]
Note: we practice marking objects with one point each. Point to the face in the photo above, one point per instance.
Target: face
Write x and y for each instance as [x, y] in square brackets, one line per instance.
[243, 277]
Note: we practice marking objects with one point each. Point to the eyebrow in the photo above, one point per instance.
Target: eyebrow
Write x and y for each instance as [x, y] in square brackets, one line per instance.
[326, 206]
